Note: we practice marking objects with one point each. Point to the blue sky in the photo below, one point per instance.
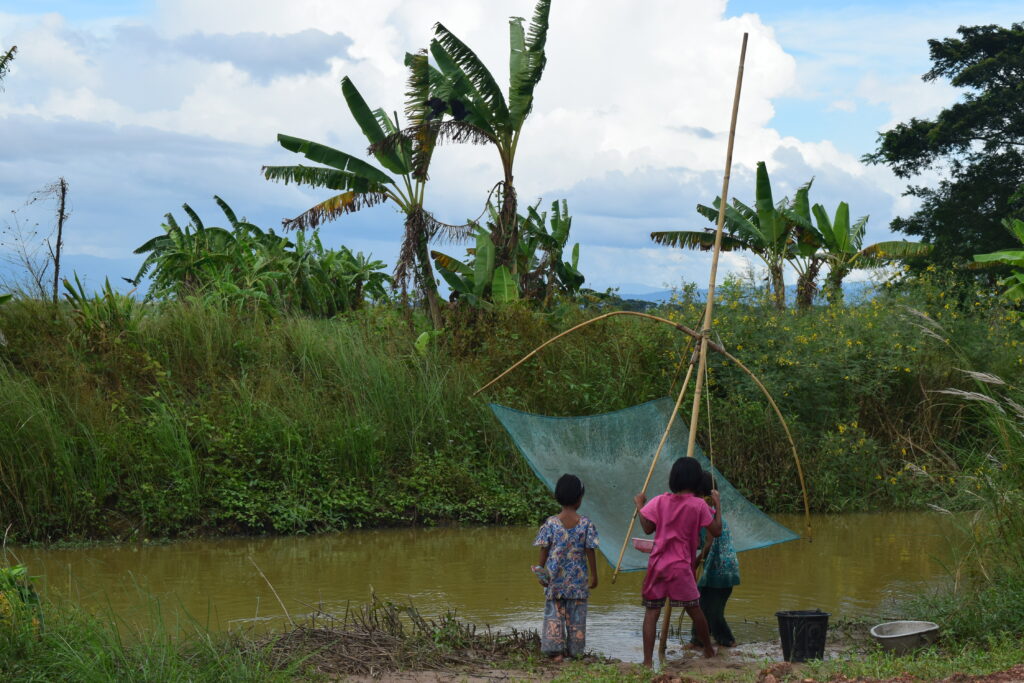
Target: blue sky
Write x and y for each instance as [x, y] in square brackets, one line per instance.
[143, 106]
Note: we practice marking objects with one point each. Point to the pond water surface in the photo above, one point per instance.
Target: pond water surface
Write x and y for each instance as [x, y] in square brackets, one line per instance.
[855, 566]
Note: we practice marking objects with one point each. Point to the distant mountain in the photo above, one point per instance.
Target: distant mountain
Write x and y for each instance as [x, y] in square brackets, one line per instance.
[852, 290]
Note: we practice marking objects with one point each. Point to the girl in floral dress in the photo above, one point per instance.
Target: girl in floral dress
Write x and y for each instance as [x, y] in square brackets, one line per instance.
[567, 542]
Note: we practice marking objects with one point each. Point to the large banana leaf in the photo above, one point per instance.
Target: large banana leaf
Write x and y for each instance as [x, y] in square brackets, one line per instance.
[697, 239]
[526, 61]
[740, 222]
[453, 85]
[334, 158]
[1014, 286]
[1013, 257]
[825, 228]
[484, 90]
[897, 249]
[503, 286]
[318, 176]
[450, 263]
[483, 262]
[336, 206]
[770, 221]
[1015, 227]
[372, 128]
[417, 111]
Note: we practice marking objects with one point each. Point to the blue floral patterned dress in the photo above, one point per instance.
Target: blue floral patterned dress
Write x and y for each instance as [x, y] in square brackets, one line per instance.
[568, 586]
[721, 573]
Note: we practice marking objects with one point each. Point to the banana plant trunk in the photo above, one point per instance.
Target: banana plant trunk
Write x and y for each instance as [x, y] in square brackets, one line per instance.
[427, 283]
[834, 285]
[778, 286]
[807, 285]
[506, 232]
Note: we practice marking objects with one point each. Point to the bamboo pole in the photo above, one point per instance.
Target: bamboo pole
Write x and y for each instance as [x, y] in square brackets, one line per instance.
[663, 636]
[719, 229]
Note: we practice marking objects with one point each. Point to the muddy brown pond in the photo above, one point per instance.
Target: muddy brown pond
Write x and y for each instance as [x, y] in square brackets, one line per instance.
[857, 565]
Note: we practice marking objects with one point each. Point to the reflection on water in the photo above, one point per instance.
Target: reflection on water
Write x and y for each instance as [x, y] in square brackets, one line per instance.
[855, 564]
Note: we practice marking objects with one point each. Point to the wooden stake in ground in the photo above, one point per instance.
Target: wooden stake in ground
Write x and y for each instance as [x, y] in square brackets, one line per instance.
[705, 330]
[61, 190]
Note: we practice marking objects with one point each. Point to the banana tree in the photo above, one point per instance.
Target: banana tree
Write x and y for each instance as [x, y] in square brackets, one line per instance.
[552, 271]
[182, 260]
[805, 242]
[360, 184]
[764, 230]
[1014, 282]
[843, 250]
[480, 113]
[481, 279]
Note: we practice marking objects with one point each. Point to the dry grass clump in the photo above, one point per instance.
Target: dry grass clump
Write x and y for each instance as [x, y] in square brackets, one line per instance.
[383, 637]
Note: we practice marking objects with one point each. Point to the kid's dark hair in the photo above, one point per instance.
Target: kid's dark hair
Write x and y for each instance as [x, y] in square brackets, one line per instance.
[685, 475]
[568, 490]
[707, 484]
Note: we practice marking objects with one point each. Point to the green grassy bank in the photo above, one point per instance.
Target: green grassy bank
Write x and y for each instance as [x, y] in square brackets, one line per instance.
[122, 421]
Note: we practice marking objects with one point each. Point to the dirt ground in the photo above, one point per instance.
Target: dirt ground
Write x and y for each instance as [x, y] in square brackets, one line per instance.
[691, 674]
[685, 670]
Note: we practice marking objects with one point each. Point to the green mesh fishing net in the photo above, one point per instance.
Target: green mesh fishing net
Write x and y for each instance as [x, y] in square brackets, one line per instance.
[611, 454]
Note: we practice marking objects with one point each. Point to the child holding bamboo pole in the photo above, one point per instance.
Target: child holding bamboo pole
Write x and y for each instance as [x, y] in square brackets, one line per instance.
[678, 518]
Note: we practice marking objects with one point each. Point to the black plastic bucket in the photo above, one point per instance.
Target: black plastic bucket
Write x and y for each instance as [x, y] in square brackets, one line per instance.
[803, 634]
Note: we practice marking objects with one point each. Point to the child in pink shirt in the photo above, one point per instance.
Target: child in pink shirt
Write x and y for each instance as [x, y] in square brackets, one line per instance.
[678, 518]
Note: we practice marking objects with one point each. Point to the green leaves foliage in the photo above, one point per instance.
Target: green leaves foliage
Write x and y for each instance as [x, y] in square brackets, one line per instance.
[976, 145]
[252, 269]
[1014, 282]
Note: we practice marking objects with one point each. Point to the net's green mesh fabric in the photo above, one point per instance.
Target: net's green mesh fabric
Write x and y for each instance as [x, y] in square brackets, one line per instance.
[611, 454]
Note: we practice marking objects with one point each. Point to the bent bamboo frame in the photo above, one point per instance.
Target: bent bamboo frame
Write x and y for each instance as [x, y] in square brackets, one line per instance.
[713, 346]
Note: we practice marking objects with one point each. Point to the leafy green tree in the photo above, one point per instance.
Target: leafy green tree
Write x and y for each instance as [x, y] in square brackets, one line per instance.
[1014, 282]
[976, 144]
[482, 114]
[764, 230]
[359, 184]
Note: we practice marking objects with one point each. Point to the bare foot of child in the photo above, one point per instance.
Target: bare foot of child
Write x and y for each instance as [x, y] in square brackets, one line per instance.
[558, 659]
[709, 652]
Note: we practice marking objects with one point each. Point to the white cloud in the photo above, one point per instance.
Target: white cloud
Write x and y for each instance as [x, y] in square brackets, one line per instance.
[630, 119]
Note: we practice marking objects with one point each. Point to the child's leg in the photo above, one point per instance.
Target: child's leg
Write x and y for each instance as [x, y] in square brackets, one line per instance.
[650, 630]
[714, 610]
[700, 624]
[552, 634]
[576, 636]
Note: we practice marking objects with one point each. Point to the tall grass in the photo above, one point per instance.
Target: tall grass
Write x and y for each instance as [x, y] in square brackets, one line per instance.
[78, 646]
[190, 417]
[986, 591]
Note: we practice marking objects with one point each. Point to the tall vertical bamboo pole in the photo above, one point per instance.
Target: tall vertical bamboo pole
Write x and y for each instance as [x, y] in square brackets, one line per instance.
[705, 330]
[698, 386]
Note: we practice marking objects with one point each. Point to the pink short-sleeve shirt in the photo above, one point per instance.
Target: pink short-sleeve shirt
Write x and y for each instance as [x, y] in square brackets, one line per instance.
[678, 518]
